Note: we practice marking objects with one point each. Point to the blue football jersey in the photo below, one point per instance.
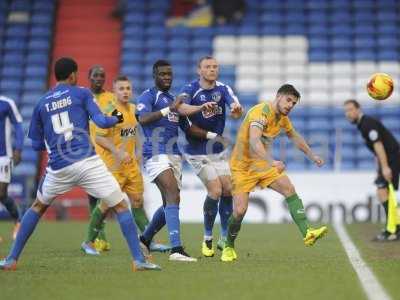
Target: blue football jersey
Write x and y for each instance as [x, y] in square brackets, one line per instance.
[161, 136]
[213, 120]
[60, 121]
[10, 116]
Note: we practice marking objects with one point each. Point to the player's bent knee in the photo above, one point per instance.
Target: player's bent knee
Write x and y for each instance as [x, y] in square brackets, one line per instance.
[116, 197]
[172, 195]
[39, 207]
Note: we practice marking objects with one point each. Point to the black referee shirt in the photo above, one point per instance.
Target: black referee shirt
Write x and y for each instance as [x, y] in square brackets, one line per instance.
[372, 131]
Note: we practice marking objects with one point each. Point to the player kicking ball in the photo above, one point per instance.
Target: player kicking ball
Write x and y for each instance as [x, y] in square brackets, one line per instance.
[60, 124]
[252, 165]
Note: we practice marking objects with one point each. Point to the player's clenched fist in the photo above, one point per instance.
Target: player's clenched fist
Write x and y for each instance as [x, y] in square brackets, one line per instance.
[119, 115]
[208, 106]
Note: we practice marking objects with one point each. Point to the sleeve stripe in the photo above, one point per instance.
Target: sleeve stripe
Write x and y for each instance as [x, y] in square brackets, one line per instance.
[14, 108]
[257, 124]
[232, 94]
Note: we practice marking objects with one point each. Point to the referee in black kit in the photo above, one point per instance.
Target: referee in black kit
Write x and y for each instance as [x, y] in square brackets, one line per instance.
[386, 149]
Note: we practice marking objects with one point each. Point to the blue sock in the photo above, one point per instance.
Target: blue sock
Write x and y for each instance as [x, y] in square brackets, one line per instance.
[129, 230]
[155, 225]
[225, 211]
[210, 210]
[172, 219]
[28, 224]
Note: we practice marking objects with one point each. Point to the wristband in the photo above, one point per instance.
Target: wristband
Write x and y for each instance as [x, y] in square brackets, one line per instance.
[165, 111]
[211, 135]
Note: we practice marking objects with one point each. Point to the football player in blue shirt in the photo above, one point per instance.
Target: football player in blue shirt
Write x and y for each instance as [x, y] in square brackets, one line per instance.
[10, 155]
[160, 116]
[60, 123]
[207, 156]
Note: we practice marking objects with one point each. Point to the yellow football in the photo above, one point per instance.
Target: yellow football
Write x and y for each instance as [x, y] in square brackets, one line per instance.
[380, 86]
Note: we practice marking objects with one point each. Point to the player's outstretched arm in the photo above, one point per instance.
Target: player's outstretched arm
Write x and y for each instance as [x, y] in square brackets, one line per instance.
[197, 132]
[96, 114]
[187, 109]
[302, 145]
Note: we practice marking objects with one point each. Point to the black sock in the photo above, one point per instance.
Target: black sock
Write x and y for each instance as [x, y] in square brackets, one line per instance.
[11, 207]
[385, 206]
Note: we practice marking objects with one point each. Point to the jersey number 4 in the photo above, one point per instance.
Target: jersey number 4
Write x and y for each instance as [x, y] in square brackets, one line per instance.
[62, 125]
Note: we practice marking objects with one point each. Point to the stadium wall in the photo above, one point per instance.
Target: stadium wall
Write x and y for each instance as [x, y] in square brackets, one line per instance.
[328, 197]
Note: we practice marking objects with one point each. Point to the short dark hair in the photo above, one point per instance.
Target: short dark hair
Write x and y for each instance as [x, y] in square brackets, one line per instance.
[120, 77]
[94, 68]
[160, 63]
[204, 58]
[352, 101]
[64, 67]
[288, 89]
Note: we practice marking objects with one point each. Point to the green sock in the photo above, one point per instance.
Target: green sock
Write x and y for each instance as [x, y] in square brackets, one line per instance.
[297, 212]
[140, 218]
[233, 230]
[94, 224]
[102, 233]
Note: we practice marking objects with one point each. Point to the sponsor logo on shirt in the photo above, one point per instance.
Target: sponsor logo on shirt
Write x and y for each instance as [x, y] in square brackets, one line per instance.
[216, 96]
[212, 112]
[128, 132]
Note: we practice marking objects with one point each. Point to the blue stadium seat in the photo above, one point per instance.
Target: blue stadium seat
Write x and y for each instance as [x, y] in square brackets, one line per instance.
[295, 29]
[365, 54]
[364, 17]
[17, 31]
[369, 4]
[37, 59]
[134, 18]
[36, 71]
[156, 18]
[387, 16]
[177, 43]
[14, 44]
[42, 18]
[226, 30]
[178, 57]
[388, 42]
[39, 45]
[12, 72]
[365, 42]
[134, 31]
[41, 31]
[366, 164]
[342, 42]
[179, 31]
[341, 30]
[362, 29]
[342, 55]
[10, 85]
[319, 55]
[387, 29]
[34, 84]
[131, 45]
[319, 124]
[388, 55]
[20, 5]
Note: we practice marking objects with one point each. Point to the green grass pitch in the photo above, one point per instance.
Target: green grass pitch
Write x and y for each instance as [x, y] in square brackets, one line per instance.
[273, 264]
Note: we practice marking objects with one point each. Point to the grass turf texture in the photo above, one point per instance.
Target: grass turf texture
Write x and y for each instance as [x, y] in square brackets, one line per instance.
[273, 263]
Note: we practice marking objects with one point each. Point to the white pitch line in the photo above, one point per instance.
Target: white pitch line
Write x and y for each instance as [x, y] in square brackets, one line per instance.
[372, 288]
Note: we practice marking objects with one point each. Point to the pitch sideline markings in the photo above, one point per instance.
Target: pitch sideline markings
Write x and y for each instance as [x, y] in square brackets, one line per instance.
[370, 284]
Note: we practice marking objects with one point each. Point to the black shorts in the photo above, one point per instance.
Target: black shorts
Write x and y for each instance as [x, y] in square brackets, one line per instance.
[381, 182]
